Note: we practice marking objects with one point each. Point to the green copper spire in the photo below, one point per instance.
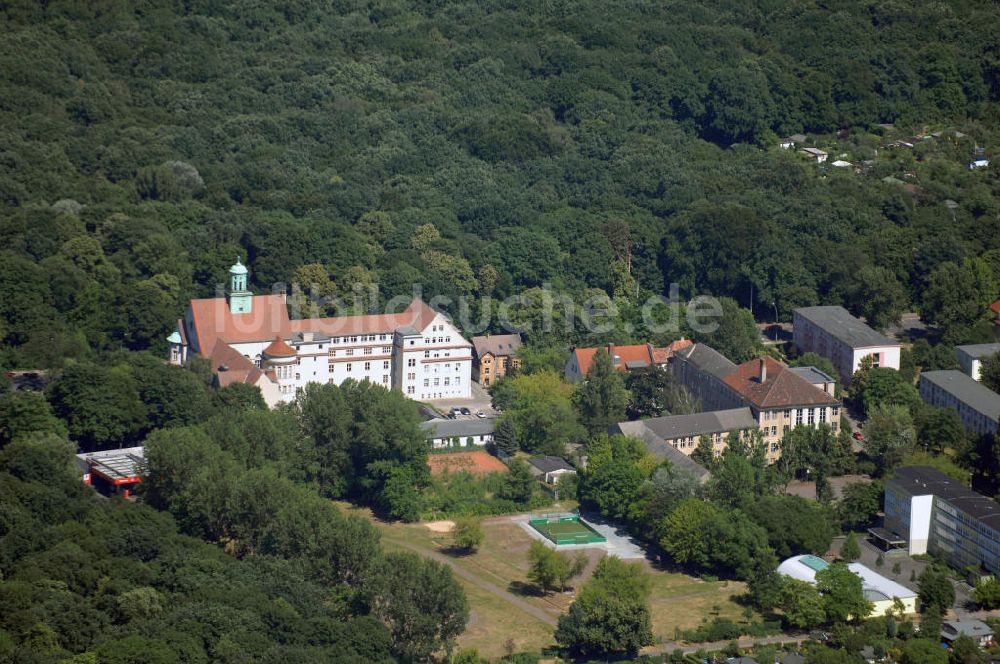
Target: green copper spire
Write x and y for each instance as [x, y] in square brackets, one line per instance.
[240, 299]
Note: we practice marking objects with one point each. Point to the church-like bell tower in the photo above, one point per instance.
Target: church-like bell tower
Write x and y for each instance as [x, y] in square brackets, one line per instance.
[240, 299]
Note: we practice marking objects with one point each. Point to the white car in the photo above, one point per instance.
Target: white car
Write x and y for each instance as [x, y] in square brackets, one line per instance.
[480, 414]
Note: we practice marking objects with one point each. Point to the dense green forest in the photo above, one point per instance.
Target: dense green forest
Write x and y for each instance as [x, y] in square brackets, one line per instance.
[237, 555]
[145, 145]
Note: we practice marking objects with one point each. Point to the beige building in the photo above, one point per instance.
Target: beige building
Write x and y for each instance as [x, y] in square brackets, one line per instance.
[684, 432]
[496, 356]
[779, 398]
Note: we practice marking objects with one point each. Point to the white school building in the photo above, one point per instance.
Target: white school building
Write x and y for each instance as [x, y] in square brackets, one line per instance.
[251, 339]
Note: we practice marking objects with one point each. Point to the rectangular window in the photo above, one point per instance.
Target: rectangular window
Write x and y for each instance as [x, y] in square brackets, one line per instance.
[798, 416]
[458, 380]
[385, 365]
[350, 352]
[412, 362]
[348, 367]
[386, 350]
[427, 353]
[812, 416]
[437, 381]
[427, 382]
[409, 390]
[385, 379]
[822, 414]
[368, 351]
[368, 366]
[446, 382]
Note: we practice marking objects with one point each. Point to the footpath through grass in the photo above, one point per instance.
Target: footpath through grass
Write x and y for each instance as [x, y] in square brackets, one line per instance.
[676, 601]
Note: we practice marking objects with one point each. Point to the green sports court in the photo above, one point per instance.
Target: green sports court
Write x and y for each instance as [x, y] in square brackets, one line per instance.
[566, 529]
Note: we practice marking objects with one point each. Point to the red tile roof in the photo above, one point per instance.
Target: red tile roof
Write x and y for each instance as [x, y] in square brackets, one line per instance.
[238, 369]
[995, 308]
[638, 353]
[663, 355]
[268, 318]
[781, 388]
[279, 348]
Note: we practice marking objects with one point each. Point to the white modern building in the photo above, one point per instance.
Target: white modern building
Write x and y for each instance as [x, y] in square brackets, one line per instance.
[251, 339]
[833, 333]
[879, 590]
[971, 357]
[936, 514]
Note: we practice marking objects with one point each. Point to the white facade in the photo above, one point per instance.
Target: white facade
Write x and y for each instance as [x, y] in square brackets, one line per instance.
[920, 523]
[419, 351]
[879, 590]
[971, 357]
[833, 333]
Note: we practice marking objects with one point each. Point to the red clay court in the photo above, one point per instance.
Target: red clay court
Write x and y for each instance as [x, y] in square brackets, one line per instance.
[477, 463]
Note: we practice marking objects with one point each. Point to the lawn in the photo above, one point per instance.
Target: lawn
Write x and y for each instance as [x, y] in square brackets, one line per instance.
[677, 600]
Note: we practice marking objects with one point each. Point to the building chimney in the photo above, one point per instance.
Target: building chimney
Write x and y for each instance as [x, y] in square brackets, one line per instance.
[611, 350]
[762, 376]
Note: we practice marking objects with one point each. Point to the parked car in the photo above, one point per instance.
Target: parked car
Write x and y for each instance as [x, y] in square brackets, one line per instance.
[480, 414]
[466, 411]
[454, 412]
[857, 435]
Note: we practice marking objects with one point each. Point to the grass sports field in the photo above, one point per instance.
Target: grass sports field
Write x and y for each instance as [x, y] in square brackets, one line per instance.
[567, 530]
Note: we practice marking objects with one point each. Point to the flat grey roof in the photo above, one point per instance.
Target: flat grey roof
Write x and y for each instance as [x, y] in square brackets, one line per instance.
[972, 393]
[979, 350]
[682, 426]
[839, 323]
[924, 481]
[708, 360]
[812, 374]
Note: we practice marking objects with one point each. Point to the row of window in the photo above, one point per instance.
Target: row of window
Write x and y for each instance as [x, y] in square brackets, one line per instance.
[349, 352]
[447, 381]
[437, 340]
[363, 338]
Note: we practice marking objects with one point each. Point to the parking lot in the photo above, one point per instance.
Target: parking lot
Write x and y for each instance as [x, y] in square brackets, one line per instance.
[479, 400]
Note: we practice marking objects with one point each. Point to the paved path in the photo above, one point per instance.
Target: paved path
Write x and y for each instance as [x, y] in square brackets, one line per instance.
[508, 597]
[669, 646]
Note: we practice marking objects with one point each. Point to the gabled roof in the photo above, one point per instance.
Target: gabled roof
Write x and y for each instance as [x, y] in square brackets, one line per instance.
[663, 355]
[707, 359]
[550, 464]
[279, 348]
[268, 318]
[693, 425]
[230, 366]
[498, 345]
[624, 354]
[443, 428]
[781, 388]
[665, 451]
